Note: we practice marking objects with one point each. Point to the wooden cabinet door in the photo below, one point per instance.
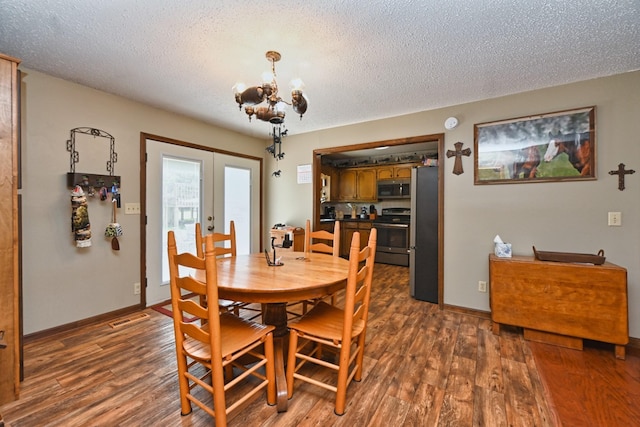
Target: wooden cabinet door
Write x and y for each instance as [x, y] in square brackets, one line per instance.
[350, 227]
[345, 239]
[348, 185]
[367, 185]
[391, 172]
[365, 230]
[9, 271]
[403, 171]
[385, 172]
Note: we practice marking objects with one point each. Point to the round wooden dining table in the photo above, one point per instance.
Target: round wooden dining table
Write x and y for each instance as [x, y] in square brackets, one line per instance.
[302, 276]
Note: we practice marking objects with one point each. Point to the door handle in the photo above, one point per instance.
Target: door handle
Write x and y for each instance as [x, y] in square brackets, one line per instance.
[3, 343]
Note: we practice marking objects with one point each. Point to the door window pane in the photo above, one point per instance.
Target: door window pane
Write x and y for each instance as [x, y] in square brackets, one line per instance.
[181, 205]
[237, 205]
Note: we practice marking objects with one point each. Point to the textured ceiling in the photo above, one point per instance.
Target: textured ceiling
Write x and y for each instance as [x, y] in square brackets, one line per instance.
[360, 59]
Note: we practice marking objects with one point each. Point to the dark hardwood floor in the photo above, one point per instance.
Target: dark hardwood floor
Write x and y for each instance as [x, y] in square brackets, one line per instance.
[423, 367]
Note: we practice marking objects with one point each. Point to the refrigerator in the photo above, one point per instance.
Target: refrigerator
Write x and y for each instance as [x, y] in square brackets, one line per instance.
[423, 234]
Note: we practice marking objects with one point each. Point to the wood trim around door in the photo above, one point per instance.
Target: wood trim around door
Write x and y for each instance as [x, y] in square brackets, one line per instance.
[439, 138]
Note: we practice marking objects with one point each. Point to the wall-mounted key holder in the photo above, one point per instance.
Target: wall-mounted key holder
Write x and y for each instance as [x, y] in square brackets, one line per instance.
[92, 183]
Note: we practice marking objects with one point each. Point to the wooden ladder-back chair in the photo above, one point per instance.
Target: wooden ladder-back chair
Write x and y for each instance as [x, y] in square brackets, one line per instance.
[327, 326]
[215, 343]
[220, 240]
[318, 241]
[321, 241]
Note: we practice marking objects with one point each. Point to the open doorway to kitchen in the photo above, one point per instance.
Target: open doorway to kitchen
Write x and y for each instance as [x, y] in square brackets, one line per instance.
[370, 157]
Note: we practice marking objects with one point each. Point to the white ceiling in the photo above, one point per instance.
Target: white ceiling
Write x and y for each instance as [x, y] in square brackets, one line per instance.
[360, 59]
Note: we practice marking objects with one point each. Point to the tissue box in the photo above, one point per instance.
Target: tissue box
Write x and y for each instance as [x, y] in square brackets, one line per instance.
[503, 250]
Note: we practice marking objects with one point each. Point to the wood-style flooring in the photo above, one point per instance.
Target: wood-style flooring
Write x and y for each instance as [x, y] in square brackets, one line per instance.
[423, 367]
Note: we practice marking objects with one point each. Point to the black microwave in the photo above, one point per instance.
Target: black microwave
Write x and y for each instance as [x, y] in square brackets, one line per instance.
[394, 189]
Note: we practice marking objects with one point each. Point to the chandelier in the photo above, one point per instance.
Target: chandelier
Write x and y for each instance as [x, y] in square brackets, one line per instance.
[273, 111]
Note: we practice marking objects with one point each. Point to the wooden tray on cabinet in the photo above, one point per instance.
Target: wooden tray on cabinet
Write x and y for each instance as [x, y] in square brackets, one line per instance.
[570, 257]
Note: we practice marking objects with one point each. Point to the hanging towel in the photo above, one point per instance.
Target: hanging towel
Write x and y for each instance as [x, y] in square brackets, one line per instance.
[80, 225]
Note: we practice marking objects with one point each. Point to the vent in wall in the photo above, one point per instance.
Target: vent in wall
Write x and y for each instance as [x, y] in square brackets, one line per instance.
[123, 321]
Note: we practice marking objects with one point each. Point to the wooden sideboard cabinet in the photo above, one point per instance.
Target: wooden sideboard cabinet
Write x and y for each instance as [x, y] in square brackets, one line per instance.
[560, 303]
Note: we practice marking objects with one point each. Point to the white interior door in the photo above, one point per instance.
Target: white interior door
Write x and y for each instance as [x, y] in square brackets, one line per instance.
[188, 185]
[237, 198]
[179, 194]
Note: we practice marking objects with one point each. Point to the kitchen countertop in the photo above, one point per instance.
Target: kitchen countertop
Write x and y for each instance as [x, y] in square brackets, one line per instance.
[345, 219]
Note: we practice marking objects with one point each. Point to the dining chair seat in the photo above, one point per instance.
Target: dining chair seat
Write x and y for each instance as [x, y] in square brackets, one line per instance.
[235, 333]
[326, 320]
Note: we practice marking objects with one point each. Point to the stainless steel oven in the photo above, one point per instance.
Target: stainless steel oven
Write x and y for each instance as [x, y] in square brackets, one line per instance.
[393, 236]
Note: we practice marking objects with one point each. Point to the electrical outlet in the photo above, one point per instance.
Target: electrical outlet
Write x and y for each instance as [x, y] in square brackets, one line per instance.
[132, 208]
[482, 286]
[615, 219]
[136, 288]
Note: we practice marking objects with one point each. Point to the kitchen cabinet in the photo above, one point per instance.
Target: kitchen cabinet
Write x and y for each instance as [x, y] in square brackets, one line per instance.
[9, 238]
[357, 184]
[347, 184]
[350, 227]
[397, 171]
[326, 226]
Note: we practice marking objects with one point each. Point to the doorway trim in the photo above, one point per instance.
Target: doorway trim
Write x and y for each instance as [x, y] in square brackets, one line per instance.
[439, 138]
[143, 196]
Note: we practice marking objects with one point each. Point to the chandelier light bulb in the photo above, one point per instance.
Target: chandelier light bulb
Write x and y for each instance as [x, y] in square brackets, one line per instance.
[239, 88]
[280, 106]
[268, 77]
[297, 84]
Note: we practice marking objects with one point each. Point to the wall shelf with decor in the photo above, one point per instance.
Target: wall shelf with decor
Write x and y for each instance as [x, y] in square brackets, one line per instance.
[92, 181]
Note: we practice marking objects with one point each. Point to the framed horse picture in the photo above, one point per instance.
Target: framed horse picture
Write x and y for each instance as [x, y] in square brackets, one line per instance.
[556, 146]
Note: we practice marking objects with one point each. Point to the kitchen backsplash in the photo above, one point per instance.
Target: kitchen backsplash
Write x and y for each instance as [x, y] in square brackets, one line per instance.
[398, 203]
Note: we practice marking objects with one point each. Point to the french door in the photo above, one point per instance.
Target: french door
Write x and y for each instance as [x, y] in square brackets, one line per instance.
[187, 185]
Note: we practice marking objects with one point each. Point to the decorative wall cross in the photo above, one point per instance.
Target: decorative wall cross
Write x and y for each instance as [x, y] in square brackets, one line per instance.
[621, 173]
[459, 152]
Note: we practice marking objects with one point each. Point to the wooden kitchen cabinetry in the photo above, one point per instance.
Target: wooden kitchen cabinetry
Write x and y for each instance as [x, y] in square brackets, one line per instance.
[9, 238]
[347, 230]
[560, 303]
[357, 184]
[397, 171]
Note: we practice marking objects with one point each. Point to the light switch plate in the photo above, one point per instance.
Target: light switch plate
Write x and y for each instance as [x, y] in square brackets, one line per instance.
[132, 208]
[615, 219]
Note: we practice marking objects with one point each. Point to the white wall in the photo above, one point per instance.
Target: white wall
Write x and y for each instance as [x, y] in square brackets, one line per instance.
[560, 216]
[61, 283]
